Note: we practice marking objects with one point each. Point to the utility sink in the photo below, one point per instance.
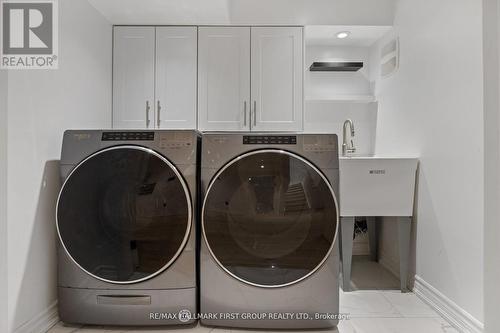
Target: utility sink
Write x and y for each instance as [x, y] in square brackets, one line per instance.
[377, 186]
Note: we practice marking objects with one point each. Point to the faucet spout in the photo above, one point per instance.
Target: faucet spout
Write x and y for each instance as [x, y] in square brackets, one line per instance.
[348, 145]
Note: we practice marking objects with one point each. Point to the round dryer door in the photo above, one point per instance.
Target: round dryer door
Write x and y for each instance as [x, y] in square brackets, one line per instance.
[270, 218]
[124, 214]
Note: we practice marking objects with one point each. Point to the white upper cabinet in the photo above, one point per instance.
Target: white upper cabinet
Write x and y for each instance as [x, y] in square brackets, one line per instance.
[175, 87]
[250, 78]
[210, 78]
[154, 77]
[133, 77]
[224, 78]
[277, 68]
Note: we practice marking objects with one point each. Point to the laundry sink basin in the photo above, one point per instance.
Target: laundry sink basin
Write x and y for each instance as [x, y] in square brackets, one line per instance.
[377, 186]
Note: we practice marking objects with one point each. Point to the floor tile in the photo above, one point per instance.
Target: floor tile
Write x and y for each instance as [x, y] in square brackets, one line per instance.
[171, 329]
[201, 329]
[60, 327]
[100, 329]
[220, 330]
[366, 304]
[321, 330]
[345, 327]
[353, 325]
[409, 305]
[400, 325]
[244, 330]
[374, 311]
[369, 275]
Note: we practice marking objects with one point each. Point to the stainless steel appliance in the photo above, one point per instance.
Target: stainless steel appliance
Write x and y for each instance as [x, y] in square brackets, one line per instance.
[126, 220]
[269, 256]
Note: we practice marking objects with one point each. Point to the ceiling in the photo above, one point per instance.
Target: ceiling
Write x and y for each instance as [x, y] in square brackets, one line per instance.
[359, 35]
[247, 12]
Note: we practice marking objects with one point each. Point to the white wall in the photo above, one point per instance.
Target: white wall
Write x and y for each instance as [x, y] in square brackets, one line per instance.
[41, 105]
[433, 108]
[248, 12]
[329, 117]
[322, 115]
[491, 42]
[328, 84]
[3, 200]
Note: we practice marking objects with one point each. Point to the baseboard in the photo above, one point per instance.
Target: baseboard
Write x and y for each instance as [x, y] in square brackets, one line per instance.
[42, 322]
[449, 310]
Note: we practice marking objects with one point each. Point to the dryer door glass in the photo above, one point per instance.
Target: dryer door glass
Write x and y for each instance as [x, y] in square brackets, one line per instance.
[270, 218]
[124, 214]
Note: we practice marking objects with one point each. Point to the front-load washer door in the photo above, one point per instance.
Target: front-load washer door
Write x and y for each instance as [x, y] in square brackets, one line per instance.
[270, 218]
[124, 214]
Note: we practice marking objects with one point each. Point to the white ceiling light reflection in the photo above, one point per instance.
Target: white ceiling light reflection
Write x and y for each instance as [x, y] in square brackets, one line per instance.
[343, 34]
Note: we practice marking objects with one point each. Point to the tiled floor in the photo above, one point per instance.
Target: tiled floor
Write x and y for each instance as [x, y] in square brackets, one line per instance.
[375, 311]
[383, 310]
[367, 274]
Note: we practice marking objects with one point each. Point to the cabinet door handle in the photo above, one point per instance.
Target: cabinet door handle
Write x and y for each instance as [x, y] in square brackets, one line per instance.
[244, 113]
[158, 109]
[147, 114]
[255, 113]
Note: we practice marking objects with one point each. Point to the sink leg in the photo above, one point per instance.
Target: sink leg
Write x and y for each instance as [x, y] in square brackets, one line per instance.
[347, 233]
[372, 225]
[404, 228]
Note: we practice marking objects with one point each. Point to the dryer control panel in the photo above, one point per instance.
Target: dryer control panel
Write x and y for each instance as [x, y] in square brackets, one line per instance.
[269, 139]
[128, 136]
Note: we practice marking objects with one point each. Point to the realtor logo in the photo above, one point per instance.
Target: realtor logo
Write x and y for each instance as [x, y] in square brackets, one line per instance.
[29, 34]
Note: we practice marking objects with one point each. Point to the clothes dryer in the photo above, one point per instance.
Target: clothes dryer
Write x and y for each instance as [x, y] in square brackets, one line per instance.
[269, 253]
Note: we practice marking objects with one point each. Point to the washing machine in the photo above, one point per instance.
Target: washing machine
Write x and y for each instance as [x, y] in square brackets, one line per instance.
[269, 256]
[126, 221]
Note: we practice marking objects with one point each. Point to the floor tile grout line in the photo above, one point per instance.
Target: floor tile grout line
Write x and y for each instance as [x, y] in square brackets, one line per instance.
[398, 314]
[391, 303]
[434, 313]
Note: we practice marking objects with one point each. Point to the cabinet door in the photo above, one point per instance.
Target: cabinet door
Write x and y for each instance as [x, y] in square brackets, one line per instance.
[133, 77]
[277, 96]
[224, 78]
[175, 88]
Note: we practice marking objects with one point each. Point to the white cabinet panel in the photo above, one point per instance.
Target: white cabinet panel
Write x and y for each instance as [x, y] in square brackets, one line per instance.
[224, 78]
[176, 75]
[133, 77]
[219, 78]
[277, 63]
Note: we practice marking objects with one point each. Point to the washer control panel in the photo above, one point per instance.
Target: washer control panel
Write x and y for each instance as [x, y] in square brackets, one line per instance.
[176, 140]
[269, 139]
[319, 143]
[128, 136]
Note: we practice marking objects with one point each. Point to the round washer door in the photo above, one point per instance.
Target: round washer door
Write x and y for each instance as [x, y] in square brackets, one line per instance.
[270, 218]
[124, 214]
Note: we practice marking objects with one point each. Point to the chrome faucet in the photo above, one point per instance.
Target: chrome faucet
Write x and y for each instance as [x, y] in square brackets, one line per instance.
[348, 147]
